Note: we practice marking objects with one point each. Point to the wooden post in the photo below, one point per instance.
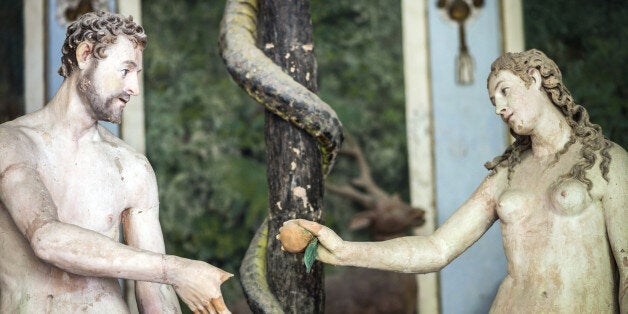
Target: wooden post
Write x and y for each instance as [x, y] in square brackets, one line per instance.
[295, 177]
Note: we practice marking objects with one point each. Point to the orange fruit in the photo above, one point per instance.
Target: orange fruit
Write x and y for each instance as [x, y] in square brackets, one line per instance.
[293, 237]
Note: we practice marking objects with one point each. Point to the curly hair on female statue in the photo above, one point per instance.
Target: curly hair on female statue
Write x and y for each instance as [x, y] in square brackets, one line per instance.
[587, 133]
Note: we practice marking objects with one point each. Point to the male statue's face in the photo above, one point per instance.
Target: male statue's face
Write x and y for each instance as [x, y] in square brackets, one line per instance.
[106, 85]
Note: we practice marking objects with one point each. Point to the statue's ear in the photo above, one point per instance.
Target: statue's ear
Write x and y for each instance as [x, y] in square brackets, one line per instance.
[83, 54]
[536, 77]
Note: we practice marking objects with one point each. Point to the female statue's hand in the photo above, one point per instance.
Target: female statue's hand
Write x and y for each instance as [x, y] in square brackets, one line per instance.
[331, 247]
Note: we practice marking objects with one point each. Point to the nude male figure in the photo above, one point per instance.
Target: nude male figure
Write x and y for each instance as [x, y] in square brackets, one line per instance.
[67, 185]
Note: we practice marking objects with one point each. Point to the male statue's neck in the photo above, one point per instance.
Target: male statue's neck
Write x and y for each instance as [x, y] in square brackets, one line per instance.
[68, 113]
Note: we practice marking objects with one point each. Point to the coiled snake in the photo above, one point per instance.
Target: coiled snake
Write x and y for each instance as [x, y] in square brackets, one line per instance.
[280, 94]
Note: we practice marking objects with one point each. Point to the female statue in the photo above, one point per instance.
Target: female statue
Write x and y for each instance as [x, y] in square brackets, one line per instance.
[559, 191]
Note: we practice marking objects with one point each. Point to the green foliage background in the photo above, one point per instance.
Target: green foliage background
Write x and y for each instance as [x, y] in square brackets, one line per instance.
[205, 136]
[588, 40]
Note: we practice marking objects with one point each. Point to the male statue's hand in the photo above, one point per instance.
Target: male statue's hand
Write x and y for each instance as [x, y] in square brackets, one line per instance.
[198, 285]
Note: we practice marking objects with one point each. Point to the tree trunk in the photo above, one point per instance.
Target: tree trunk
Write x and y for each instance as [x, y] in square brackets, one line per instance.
[295, 176]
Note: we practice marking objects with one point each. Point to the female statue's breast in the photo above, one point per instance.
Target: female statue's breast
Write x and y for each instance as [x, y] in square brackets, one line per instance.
[569, 197]
[514, 205]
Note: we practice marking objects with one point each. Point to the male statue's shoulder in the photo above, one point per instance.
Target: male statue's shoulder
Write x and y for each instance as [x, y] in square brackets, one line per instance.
[15, 145]
[117, 143]
[20, 128]
[130, 155]
[10, 128]
[15, 133]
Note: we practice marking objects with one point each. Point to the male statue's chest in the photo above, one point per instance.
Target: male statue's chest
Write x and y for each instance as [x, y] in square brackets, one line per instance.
[87, 186]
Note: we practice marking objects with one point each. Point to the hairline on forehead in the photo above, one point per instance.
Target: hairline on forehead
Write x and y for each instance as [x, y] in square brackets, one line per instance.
[104, 48]
[524, 76]
[519, 63]
[493, 75]
[134, 44]
[123, 60]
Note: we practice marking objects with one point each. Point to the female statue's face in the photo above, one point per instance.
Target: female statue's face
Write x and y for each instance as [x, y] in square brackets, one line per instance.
[517, 104]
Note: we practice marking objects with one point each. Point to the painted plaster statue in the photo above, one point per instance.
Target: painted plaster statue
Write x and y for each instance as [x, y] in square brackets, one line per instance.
[67, 185]
[559, 192]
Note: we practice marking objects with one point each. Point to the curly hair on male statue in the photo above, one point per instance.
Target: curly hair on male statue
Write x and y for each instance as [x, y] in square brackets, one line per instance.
[102, 29]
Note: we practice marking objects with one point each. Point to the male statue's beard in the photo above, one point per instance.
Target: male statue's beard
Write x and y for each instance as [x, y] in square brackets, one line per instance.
[102, 109]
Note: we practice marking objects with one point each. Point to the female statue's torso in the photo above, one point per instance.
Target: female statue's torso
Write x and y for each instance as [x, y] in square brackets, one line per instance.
[555, 240]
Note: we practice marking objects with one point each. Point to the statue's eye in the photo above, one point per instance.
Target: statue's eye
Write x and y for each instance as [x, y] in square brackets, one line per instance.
[505, 91]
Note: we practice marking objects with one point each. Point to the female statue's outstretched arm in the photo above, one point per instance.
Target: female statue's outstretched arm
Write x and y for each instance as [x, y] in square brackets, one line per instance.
[416, 254]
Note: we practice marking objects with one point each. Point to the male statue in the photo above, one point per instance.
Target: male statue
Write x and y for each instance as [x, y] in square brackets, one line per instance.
[67, 185]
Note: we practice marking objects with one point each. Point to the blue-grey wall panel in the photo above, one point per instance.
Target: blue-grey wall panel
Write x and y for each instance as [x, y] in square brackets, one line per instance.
[467, 134]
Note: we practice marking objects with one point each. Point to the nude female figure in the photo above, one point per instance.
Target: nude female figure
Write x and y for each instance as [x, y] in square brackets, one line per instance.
[67, 184]
[560, 192]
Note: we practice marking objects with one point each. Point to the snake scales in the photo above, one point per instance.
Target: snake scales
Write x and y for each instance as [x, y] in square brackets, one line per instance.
[269, 85]
[283, 96]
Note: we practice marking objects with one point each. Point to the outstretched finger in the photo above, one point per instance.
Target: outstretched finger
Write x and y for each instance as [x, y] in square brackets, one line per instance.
[205, 307]
[325, 256]
[219, 305]
[191, 306]
[311, 226]
[225, 276]
[327, 237]
[200, 310]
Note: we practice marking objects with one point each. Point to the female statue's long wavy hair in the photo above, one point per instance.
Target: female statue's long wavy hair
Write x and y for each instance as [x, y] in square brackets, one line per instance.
[588, 134]
[102, 29]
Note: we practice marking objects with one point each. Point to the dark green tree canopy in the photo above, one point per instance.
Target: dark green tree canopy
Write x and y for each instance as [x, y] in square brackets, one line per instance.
[588, 42]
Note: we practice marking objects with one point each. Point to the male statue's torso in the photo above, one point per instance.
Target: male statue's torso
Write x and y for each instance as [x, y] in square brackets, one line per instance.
[90, 187]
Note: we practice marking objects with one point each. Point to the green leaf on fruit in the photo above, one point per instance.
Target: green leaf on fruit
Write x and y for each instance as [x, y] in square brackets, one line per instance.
[310, 255]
